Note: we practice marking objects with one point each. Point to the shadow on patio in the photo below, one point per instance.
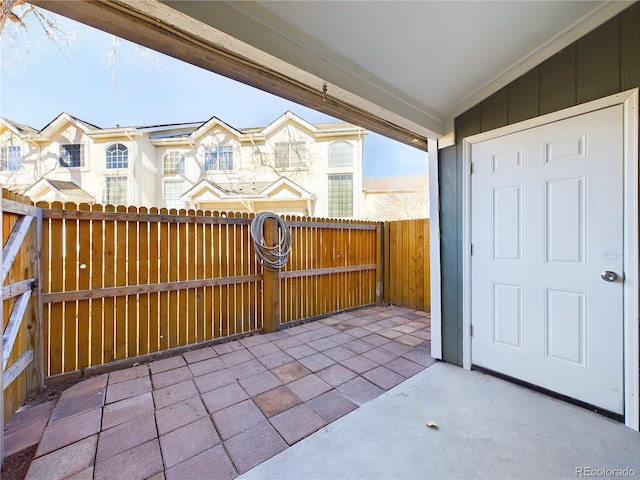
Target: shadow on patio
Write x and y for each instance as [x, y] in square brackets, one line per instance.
[216, 412]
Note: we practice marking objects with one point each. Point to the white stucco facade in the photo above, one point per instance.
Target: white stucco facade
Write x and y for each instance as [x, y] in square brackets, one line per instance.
[289, 166]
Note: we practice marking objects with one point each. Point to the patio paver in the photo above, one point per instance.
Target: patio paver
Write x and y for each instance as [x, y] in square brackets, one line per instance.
[218, 411]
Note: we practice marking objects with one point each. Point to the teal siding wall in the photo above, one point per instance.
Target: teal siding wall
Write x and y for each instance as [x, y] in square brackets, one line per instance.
[603, 62]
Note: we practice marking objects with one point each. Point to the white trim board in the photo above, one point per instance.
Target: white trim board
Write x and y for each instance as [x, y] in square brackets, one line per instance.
[434, 251]
[629, 100]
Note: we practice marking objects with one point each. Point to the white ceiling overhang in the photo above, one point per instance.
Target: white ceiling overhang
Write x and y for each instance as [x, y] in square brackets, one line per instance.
[400, 68]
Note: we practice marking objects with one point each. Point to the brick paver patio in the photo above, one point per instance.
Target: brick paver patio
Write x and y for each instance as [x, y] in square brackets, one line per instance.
[218, 411]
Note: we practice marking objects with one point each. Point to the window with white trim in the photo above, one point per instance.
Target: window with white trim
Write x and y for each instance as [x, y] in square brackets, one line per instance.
[10, 158]
[341, 195]
[218, 158]
[340, 155]
[117, 156]
[173, 163]
[71, 155]
[172, 191]
[291, 154]
[116, 190]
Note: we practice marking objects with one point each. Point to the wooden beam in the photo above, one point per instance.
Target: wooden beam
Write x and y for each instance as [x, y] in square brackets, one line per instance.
[326, 271]
[56, 297]
[35, 327]
[271, 285]
[140, 217]
[14, 242]
[142, 22]
[1, 342]
[11, 332]
[342, 226]
[160, 218]
[17, 368]
[18, 288]
[11, 206]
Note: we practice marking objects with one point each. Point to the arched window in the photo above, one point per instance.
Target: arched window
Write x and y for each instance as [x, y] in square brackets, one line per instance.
[173, 163]
[340, 155]
[117, 156]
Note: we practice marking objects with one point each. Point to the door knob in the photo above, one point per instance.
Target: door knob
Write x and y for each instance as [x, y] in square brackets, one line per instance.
[609, 276]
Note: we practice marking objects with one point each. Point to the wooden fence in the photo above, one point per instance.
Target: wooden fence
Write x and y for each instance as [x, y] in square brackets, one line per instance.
[333, 265]
[122, 283]
[406, 264]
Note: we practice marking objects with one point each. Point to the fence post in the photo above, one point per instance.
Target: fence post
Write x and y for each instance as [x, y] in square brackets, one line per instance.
[380, 262]
[36, 370]
[1, 347]
[271, 284]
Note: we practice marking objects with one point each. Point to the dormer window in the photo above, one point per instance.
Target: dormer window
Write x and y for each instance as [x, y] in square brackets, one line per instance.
[71, 155]
[218, 158]
[291, 154]
[10, 158]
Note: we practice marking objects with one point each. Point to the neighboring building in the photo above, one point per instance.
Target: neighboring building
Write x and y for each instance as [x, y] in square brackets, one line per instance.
[396, 198]
[289, 167]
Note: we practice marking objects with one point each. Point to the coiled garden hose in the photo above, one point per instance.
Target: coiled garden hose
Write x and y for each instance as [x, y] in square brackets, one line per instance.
[272, 257]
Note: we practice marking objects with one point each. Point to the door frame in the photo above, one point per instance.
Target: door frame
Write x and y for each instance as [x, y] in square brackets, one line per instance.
[629, 101]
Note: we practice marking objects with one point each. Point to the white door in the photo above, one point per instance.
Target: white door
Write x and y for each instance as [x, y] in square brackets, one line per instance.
[546, 222]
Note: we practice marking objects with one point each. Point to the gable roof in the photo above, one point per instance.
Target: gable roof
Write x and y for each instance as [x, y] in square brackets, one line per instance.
[283, 119]
[236, 190]
[58, 122]
[210, 124]
[18, 128]
[171, 133]
[62, 190]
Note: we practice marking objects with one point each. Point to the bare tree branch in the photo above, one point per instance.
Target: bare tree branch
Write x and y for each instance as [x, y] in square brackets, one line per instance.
[7, 13]
[30, 29]
[112, 59]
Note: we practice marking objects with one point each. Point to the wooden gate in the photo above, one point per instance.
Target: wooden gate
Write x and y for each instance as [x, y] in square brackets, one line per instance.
[21, 344]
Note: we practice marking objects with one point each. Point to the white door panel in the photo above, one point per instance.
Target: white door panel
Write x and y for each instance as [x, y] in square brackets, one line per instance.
[546, 221]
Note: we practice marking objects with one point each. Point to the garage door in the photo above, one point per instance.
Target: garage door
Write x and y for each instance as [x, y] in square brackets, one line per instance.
[547, 256]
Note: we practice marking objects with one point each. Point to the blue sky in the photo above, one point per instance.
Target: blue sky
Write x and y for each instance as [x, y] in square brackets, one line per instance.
[35, 87]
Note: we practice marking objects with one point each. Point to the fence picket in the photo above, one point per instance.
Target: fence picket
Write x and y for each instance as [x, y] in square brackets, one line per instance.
[144, 263]
[132, 279]
[199, 259]
[109, 278]
[154, 298]
[164, 328]
[121, 344]
[83, 274]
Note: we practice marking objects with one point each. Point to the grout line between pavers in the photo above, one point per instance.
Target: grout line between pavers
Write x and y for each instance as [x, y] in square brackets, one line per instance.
[155, 421]
[199, 394]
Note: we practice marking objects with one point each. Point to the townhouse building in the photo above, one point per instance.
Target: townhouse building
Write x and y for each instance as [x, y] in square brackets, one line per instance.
[290, 166]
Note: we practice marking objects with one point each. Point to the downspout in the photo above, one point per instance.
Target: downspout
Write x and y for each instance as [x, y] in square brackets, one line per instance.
[359, 198]
[133, 168]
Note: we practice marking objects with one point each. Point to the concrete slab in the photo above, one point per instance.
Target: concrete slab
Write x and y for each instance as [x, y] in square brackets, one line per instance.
[487, 428]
